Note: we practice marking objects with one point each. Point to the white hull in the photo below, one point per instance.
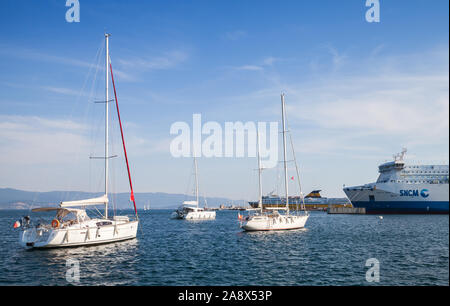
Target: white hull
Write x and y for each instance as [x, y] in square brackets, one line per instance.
[395, 192]
[196, 215]
[400, 198]
[78, 235]
[274, 223]
[201, 215]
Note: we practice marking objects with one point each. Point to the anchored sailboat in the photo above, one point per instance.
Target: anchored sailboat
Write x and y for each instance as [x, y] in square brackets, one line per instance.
[147, 207]
[71, 225]
[190, 210]
[269, 218]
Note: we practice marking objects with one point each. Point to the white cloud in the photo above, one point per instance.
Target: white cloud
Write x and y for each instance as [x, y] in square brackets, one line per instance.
[166, 61]
[29, 54]
[357, 111]
[30, 140]
[270, 60]
[266, 62]
[397, 106]
[250, 68]
[235, 35]
[337, 58]
[63, 90]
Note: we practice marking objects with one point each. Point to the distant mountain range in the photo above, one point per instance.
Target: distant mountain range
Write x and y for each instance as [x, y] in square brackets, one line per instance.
[20, 199]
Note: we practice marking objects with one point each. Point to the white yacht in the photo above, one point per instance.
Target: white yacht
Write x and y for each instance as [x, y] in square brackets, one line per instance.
[270, 218]
[71, 225]
[190, 210]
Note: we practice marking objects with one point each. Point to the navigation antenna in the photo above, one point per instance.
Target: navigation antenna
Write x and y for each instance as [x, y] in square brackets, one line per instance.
[400, 156]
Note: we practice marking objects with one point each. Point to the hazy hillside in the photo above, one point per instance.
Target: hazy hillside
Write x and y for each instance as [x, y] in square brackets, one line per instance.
[19, 199]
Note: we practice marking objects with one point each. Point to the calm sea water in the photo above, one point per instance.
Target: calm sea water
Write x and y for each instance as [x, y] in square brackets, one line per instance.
[332, 250]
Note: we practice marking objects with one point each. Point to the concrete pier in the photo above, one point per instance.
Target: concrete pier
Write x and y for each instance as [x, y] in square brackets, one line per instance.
[346, 210]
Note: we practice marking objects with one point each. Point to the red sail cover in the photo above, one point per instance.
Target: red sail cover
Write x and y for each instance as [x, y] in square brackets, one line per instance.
[123, 142]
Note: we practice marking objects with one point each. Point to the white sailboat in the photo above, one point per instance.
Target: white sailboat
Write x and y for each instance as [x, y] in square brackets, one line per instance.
[72, 226]
[190, 210]
[269, 219]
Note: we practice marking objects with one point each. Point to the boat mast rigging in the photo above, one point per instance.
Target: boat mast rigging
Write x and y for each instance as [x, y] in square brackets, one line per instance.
[283, 114]
[260, 203]
[302, 199]
[132, 199]
[106, 119]
[196, 180]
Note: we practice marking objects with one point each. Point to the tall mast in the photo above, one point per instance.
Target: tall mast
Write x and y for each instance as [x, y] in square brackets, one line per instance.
[106, 119]
[196, 179]
[260, 204]
[283, 114]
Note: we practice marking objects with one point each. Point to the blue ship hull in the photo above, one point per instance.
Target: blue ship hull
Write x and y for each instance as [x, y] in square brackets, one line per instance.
[403, 207]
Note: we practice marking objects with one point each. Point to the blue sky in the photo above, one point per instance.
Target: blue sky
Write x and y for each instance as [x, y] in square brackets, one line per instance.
[356, 92]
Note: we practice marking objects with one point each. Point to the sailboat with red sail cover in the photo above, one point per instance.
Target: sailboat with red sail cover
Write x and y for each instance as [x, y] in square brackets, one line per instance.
[72, 226]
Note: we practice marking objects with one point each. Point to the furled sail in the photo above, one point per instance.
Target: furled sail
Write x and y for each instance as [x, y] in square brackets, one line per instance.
[190, 202]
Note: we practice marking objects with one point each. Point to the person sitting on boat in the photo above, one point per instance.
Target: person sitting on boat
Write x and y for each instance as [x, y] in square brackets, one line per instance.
[26, 221]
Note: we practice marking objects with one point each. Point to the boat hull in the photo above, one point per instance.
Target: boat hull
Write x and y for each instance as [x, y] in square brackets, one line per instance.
[71, 237]
[201, 215]
[400, 199]
[266, 223]
[196, 215]
[403, 207]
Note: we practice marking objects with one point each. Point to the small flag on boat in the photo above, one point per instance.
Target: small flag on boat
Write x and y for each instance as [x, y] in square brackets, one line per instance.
[16, 224]
[239, 216]
[292, 178]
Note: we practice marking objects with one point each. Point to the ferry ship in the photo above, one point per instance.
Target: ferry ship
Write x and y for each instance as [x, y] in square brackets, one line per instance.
[311, 200]
[404, 189]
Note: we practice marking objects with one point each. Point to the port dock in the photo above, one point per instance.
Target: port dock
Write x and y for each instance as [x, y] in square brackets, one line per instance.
[347, 210]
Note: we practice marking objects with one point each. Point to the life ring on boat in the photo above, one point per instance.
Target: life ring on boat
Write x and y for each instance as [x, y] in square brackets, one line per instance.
[55, 223]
